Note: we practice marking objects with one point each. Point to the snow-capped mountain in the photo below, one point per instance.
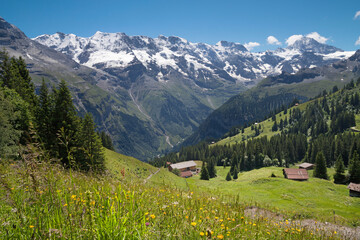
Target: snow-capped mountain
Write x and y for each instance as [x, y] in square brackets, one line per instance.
[225, 61]
[150, 94]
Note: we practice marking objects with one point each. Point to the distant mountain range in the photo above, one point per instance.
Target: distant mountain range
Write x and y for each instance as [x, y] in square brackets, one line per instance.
[150, 94]
[205, 64]
[274, 92]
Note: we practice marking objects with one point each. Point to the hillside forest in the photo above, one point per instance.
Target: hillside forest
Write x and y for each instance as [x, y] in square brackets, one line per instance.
[322, 128]
[45, 121]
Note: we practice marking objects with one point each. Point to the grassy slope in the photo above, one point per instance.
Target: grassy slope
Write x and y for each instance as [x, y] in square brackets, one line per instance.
[135, 169]
[44, 201]
[314, 198]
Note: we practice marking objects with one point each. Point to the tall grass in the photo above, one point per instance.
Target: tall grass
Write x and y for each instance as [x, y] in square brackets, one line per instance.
[44, 201]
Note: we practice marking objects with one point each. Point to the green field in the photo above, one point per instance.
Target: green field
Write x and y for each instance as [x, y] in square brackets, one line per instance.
[44, 201]
[315, 198]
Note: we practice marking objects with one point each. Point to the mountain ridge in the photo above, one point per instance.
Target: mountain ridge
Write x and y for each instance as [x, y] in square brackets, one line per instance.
[273, 93]
[227, 60]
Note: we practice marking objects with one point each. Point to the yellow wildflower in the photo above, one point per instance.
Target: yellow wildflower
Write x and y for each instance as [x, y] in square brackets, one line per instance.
[193, 223]
[152, 216]
[220, 236]
[31, 226]
[202, 234]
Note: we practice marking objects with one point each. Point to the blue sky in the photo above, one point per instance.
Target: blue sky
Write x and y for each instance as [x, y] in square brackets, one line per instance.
[197, 21]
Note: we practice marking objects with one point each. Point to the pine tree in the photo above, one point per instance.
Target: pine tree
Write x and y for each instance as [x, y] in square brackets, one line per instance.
[89, 154]
[235, 174]
[228, 176]
[43, 117]
[354, 168]
[320, 168]
[274, 127]
[107, 142]
[9, 114]
[204, 175]
[211, 168]
[14, 75]
[65, 123]
[339, 176]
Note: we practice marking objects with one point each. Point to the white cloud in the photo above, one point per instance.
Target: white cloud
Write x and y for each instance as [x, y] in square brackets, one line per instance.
[250, 45]
[292, 39]
[273, 40]
[357, 14]
[316, 36]
[357, 42]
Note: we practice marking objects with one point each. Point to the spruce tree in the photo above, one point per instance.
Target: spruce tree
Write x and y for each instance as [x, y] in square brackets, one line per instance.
[89, 154]
[204, 175]
[274, 127]
[228, 176]
[9, 114]
[354, 168]
[107, 142]
[339, 176]
[43, 117]
[211, 168]
[235, 174]
[65, 123]
[14, 75]
[320, 168]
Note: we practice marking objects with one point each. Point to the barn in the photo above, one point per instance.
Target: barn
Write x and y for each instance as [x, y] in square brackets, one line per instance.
[354, 190]
[296, 174]
[187, 169]
[306, 166]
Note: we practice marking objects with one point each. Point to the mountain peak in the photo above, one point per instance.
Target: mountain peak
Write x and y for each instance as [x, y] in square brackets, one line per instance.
[8, 30]
[307, 44]
[231, 45]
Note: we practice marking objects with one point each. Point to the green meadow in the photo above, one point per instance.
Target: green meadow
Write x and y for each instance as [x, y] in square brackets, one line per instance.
[315, 198]
[44, 201]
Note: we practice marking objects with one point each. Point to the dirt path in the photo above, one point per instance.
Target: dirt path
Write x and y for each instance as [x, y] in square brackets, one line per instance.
[145, 181]
[309, 224]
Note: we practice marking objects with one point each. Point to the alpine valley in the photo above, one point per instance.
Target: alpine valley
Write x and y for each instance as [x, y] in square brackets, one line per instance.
[150, 94]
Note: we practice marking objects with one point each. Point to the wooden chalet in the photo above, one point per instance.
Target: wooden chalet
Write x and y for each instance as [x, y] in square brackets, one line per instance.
[307, 166]
[296, 174]
[354, 190]
[187, 169]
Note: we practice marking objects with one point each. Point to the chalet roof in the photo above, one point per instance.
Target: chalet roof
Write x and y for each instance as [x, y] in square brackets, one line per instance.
[306, 165]
[186, 174]
[182, 165]
[296, 174]
[354, 187]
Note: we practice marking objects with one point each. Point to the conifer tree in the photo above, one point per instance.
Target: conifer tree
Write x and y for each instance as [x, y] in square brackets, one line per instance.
[339, 176]
[64, 119]
[204, 175]
[320, 168]
[89, 154]
[43, 116]
[211, 168]
[235, 174]
[354, 168]
[10, 113]
[14, 75]
[107, 142]
[228, 176]
[274, 127]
